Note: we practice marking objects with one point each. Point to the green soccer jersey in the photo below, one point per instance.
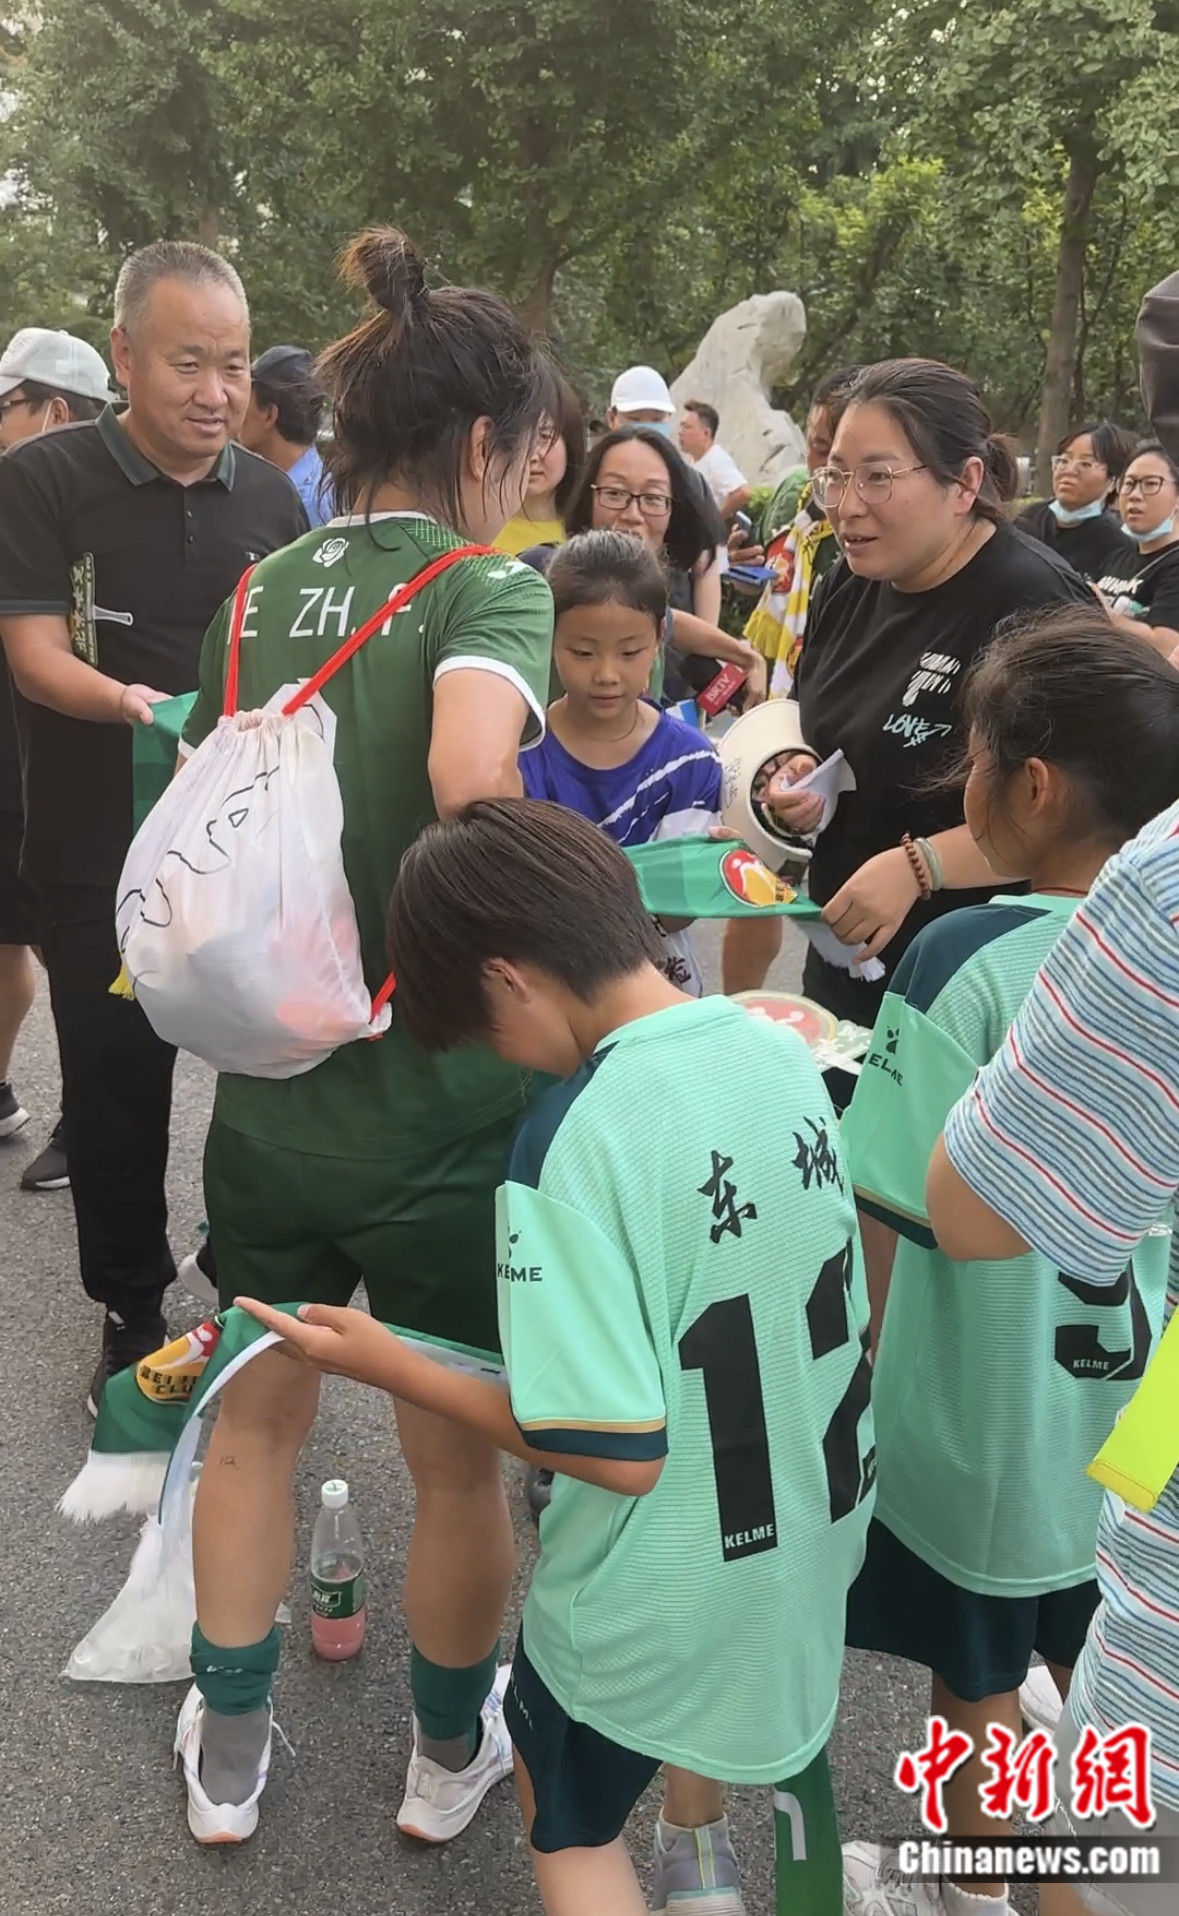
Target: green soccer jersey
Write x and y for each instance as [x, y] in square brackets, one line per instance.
[996, 1383]
[488, 614]
[668, 1287]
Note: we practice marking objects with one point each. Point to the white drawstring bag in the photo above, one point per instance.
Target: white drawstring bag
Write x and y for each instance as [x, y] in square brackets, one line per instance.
[236, 926]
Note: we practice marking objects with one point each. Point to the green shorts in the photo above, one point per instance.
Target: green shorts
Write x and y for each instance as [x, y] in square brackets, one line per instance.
[418, 1230]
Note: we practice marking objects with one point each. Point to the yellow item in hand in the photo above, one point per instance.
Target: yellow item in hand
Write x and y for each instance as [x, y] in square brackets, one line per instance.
[122, 987]
[1141, 1453]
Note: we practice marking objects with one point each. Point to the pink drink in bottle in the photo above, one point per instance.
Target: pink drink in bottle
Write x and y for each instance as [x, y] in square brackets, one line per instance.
[337, 1577]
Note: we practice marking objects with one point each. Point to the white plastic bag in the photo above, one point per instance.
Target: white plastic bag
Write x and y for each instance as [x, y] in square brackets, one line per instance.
[146, 1635]
[234, 917]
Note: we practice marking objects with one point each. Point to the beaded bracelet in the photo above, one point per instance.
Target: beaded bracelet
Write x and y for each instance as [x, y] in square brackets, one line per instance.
[919, 873]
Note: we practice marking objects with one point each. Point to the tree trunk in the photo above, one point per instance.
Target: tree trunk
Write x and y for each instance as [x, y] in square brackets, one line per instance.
[1060, 366]
[536, 308]
[208, 226]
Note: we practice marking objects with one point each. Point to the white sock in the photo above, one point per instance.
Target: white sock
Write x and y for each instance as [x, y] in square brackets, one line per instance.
[671, 1830]
[961, 1902]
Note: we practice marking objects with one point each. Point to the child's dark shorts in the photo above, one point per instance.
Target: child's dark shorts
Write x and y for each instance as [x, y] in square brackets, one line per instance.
[585, 1786]
[979, 1646]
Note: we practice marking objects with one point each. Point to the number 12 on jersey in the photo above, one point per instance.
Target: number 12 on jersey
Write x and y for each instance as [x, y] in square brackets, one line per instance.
[722, 1345]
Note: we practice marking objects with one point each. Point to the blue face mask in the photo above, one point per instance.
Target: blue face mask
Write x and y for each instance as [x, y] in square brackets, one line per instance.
[1064, 517]
[650, 425]
[1162, 531]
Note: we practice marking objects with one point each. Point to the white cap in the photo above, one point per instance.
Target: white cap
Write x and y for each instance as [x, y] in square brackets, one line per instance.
[641, 389]
[59, 360]
[334, 1494]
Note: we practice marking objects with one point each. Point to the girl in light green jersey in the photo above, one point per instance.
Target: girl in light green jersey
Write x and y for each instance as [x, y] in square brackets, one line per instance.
[996, 1383]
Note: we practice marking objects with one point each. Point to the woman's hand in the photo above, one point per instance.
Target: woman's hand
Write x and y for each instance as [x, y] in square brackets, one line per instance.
[346, 1343]
[796, 811]
[742, 551]
[873, 905]
[757, 679]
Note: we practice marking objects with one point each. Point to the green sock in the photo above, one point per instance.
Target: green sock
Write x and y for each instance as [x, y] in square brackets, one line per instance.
[808, 1852]
[447, 1703]
[234, 1682]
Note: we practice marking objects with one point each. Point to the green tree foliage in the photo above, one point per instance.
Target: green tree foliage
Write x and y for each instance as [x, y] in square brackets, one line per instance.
[1071, 97]
[987, 184]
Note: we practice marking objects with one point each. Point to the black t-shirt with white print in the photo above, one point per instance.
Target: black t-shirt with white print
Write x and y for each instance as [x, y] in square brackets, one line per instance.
[880, 679]
[1144, 585]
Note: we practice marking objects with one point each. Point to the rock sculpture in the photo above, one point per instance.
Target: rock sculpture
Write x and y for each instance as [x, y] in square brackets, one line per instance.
[743, 355]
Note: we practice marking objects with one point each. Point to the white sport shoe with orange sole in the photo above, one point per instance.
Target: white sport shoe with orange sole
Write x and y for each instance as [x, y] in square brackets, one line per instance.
[213, 1822]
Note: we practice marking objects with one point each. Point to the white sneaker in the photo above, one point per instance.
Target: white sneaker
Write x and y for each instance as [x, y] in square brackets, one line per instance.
[438, 1804]
[193, 1279]
[1040, 1702]
[213, 1822]
[873, 1885]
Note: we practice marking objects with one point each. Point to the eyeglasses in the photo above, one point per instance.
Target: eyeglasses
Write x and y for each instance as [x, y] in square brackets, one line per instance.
[1062, 461]
[1147, 485]
[10, 405]
[873, 483]
[652, 505]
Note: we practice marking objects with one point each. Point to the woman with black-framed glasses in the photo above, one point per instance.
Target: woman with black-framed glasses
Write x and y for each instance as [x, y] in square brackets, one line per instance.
[635, 481]
[1078, 522]
[915, 489]
[1140, 585]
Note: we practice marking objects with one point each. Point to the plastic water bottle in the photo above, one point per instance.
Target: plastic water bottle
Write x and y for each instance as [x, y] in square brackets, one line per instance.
[337, 1577]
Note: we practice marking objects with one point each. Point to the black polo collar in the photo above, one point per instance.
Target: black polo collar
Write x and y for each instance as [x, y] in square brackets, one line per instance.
[139, 470]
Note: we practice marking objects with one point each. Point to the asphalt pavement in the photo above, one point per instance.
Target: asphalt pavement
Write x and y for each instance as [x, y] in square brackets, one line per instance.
[91, 1814]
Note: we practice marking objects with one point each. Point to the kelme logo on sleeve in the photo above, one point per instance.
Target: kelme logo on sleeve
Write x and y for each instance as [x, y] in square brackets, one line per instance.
[510, 1273]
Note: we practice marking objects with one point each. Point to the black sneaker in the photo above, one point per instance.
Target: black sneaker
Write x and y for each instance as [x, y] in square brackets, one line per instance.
[12, 1113]
[122, 1346]
[49, 1170]
[538, 1488]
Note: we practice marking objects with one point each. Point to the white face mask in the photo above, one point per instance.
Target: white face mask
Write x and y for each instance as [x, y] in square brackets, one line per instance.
[1162, 531]
[1064, 517]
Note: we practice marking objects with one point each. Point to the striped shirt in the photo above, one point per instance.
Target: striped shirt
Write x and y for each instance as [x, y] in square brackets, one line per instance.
[1071, 1134]
[671, 786]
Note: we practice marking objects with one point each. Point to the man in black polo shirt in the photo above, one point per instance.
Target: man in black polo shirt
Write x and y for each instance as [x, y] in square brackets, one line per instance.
[118, 542]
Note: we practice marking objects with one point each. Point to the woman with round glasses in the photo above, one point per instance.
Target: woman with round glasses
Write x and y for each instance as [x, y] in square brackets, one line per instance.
[635, 481]
[1077, 521]
[915, 489]
[1140, 584]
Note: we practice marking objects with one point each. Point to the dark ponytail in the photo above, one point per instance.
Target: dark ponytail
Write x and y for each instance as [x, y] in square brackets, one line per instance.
[411, 379]
[1102, 705]
[943, 418]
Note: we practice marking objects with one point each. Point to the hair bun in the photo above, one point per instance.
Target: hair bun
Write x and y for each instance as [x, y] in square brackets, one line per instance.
[1002, 463]
[388, 267]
